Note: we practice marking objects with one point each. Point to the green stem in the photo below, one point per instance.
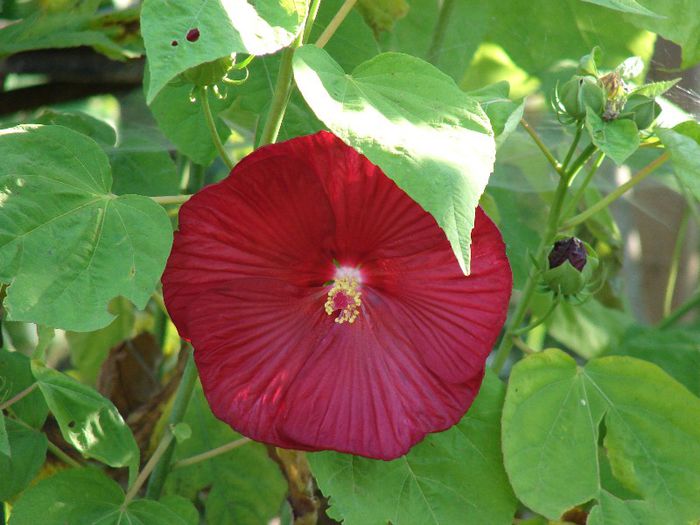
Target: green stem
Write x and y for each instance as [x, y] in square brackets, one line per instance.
[161, 449]
[171, 199]
[280, 97]
[335, 22]
[679, 312]
[56, 451]
[675, 263]
[539, 321]
[582, 189]
[19, 396]
[572, 149]
[204, 92]
[211, 453]
[531, 284]
[543, 147]
[615, 194]
[182, 399]
[311, 18]
[440, 31]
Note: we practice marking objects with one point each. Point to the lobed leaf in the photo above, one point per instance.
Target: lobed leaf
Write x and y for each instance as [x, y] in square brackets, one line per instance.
[67, 244]
[551, 420]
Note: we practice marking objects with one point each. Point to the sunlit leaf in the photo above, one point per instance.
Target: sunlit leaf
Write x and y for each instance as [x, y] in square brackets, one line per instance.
[223, 28]
[626, 6]
[411, 120]
[87, 420]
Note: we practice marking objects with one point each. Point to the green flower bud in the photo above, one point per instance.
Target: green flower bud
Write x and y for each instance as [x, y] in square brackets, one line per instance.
[643, 110]
[571, 266]
[209, 73]
[579, 92]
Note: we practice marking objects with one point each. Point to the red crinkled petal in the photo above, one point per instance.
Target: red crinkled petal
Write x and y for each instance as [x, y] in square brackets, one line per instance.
[247, 282]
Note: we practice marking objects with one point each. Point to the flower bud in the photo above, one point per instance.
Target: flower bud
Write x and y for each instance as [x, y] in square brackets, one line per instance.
[209, 73]
[580, 92]
[642, 109]
[615, 95]
[571, 266]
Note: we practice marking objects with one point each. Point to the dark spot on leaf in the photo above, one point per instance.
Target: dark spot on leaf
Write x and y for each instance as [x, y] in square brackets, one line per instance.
[193, 35]
[173, 43]
[71, 424]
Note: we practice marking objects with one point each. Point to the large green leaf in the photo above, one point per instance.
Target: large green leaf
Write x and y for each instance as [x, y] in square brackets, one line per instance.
[16, 376]
[451, 477]
[235, 496]
[67, 244]
[551, 421]
[87, 495]
[411, 120]
[683, 143]
[88, 421]
[614, 511]
[225, 27]
[28, 448]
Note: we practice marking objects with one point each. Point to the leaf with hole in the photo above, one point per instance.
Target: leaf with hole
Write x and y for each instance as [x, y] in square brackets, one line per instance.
[88, 421]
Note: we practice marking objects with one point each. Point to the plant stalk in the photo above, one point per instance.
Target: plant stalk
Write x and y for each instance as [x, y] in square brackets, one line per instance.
[302, 493]
[675, 263]
[204, 95]
[211, 453]
[19, 396]
[615, 194]
[440, 31]
[182, 399]
[543, 147]
[171, 199]
[335, 22]
[148, 468]
[582, 189]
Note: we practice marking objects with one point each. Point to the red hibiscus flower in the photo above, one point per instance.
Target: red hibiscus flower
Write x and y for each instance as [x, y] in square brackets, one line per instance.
[326, 308]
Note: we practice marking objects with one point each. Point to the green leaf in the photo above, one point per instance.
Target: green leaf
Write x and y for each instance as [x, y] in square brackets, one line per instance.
[88, 350]
[98, 130]
[16, 376]
[503, 113]
[655, 89]
[68, 245]
[625, 6]
[676, 350]
[87, 420]
[4, 441]
[683, 145]
[184, 123]
[69, 28]
[551, 420]
[224, 28]
[88, 496]
[614, 511]
[411, 120]
[618, 139]
[235, 495]
[28, 448]
[450, 477]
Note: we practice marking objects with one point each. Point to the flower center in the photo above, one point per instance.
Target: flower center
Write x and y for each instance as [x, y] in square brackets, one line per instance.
[344, 297]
